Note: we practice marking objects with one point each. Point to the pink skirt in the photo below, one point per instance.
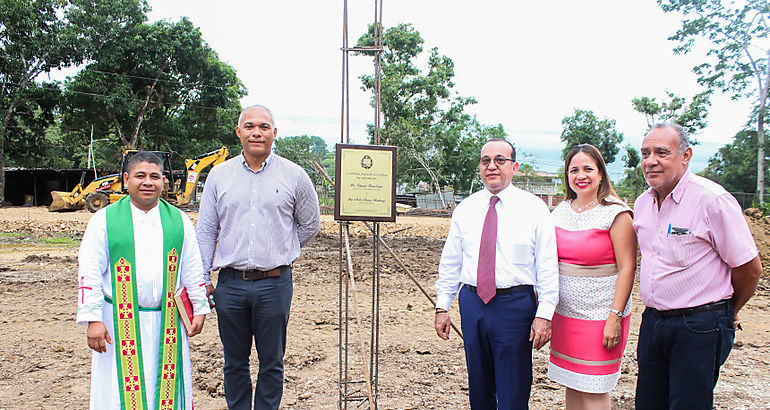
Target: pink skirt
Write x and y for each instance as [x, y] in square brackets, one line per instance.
[578, 359]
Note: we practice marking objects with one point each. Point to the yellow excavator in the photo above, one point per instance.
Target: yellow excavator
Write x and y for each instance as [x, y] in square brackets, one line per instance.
[178, 190]
[70, 201]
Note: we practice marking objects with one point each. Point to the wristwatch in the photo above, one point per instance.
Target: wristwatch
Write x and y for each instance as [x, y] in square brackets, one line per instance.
[617, 312]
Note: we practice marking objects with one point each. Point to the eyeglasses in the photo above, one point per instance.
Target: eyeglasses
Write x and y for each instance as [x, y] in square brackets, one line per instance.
[499, 161]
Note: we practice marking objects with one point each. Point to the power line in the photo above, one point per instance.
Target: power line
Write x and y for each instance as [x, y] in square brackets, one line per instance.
[67, 128]
[159, 79]
[137, 76]
[127, 98]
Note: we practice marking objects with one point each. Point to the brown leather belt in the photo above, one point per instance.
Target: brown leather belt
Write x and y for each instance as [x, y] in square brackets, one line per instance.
[256, 274]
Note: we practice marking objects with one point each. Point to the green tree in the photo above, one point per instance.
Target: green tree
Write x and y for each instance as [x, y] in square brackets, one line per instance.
[633, 182]
[423, 116]
[691, 116]
[732, 166]
[304, 151]
[37, 37]
[27, 142]
[737, 63]
[157, 86]
[458, 148]
[583, 127]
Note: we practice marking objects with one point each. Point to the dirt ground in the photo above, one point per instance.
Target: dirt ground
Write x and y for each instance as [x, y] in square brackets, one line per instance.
[45, 362]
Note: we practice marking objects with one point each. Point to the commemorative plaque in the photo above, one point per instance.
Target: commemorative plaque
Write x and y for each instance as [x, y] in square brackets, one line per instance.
[365, 183]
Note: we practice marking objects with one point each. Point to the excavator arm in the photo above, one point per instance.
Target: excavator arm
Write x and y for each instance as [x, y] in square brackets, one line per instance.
[193, 167]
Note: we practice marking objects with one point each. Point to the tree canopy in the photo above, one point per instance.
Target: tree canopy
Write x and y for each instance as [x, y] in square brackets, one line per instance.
[437, 140]
[737, 62]
[305, 150]
[691, 116]
[584, 127]
[159, 86]
[35, 38]
[732, 166]
[141, 85]
[633, 183]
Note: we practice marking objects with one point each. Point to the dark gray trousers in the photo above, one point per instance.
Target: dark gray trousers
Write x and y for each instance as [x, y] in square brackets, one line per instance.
[257, 309]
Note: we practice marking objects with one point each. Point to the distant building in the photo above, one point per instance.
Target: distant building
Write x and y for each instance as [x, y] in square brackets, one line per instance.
[546, 185]
[433, 200]
[33, 186]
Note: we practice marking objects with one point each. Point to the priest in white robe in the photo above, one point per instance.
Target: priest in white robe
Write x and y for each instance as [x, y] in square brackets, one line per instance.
[144, 181]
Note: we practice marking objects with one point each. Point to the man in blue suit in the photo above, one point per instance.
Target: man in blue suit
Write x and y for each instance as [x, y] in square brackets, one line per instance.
[500, 255]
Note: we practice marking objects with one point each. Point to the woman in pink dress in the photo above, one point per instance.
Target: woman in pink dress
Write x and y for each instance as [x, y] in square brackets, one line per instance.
[597, 260]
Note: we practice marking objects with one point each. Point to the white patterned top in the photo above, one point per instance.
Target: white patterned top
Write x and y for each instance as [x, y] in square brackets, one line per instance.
[600, 217]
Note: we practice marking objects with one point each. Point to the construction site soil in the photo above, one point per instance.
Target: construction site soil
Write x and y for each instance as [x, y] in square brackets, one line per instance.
[45, 362]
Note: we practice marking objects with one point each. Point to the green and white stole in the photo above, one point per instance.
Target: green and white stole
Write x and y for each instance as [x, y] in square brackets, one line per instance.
[125, 308]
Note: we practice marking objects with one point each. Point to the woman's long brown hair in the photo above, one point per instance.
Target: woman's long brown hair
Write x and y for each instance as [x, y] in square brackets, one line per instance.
[605, 186]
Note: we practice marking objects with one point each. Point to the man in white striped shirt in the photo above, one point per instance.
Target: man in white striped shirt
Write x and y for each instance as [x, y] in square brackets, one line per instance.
[258, 209]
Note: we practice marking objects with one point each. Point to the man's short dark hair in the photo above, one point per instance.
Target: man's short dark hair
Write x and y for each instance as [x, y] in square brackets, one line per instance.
[143, 156]
[513, 149]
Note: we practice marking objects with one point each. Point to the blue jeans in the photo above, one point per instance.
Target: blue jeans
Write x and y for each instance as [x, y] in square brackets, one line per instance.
[258, 310]
[680, 356]
[498, 352]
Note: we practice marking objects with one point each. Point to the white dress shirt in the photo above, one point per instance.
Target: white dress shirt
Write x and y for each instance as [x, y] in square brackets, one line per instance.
[525, 253]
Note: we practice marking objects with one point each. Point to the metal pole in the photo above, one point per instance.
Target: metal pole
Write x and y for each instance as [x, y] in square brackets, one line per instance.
[377, 69]
[370, 369]
[342, 387]
[351, 281]
[376, 348]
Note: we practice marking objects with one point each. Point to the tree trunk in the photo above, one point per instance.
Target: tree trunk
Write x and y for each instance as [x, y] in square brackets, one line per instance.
[143, 110]
[2, 171]
[433, 177]
[3, 132]
[118, 130]
[761, 139]
[761, 154]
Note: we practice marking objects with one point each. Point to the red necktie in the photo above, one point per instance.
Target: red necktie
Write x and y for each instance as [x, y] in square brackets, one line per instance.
[485, 276]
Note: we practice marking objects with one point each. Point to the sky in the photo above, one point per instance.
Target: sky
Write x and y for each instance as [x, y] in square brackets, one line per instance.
[529, 64]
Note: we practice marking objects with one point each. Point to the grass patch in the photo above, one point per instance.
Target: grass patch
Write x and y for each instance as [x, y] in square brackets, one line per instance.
[12, 235]
[61, 240]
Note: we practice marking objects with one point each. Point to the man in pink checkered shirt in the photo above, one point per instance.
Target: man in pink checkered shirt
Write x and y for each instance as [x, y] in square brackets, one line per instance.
[699, 268]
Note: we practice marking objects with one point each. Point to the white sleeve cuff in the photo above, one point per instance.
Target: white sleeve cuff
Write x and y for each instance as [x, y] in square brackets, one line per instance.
[545, 310]
[444, 301]
[200, 307]
[89, 313]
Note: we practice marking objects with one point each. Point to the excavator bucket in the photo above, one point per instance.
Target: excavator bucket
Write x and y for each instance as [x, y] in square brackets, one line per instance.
[63, 201]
